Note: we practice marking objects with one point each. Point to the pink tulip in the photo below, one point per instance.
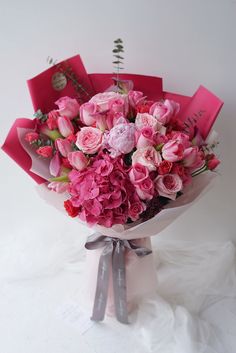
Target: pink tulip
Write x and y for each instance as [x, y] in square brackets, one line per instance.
[63, 146]
[78, 160]
[65, 126]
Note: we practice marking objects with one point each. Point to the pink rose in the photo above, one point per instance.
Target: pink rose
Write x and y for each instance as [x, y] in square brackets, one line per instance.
[163, 112]
[145, 120]
[102, 100]
[193, 158]
[63, 146]
[148, 157]
[165, 167]
[89, 139]
[68, 107]
[52, 119]
[65, 126]
[87, 111]
[145, 189]
[173, 151]
[168, 185]
[135, 97]
[135, 209]
[31, 137]
[146, 137]
[119, 105]
[121, 139]
[138, 173]
[78, 160]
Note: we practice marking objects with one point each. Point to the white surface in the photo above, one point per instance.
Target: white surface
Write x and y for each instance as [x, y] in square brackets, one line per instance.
[188, 43]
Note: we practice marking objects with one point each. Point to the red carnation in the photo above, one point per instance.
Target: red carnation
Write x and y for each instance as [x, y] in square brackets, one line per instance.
[70, 209]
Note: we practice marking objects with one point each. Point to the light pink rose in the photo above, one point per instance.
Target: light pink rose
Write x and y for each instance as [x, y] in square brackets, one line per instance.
[145, 189]
[146, 137]
[68, 107]
[163, 112]
[89, 139]
[173, 151]
[135, 97]
[78, 160]
[138, 173]
[145, 120]
[121, 139]
[87, 111]
[102, 100]
[148, 157]
[168, 185]
[119, 105]
[65, 126]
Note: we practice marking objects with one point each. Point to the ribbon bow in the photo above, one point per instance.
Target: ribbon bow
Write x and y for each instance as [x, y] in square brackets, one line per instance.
[113, 254]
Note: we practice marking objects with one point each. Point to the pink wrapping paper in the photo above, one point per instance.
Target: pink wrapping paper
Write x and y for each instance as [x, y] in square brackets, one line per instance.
[141, 277]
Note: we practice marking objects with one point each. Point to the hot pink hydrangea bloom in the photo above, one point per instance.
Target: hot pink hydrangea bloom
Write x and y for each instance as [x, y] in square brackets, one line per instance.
[103, 193]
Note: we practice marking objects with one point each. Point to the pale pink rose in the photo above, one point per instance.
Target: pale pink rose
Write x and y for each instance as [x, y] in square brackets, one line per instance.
[55, 165]
[135, 97]
[68, 107]
[144, 120]
[138, 173]
[121, 139]
[193, 158]
[87, 111]
[78, 160]
[148, 157]
[173, 151]
[146, 137]
[65, 126]
[89, 139]
[145, 189]
[163, 112]
[102, 100]
[119, 105]
[63, 146]
[168, 185]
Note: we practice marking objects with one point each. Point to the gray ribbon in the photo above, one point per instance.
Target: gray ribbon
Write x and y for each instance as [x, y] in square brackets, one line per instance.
[113, 256]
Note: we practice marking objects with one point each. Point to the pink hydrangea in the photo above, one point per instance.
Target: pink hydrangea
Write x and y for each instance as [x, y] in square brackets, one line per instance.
[103, 193]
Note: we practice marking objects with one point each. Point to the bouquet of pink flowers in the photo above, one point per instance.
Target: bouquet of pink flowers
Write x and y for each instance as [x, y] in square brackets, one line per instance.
[125, 161]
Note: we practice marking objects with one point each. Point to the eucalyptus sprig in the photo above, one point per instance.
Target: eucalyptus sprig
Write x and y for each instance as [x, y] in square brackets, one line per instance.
[117, 53]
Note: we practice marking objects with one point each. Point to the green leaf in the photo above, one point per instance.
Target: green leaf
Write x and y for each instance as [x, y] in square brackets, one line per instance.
[117, 62]
[119, 57]
[118, 40]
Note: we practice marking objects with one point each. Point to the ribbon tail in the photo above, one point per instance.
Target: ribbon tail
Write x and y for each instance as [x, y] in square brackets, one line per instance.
[101, 295]
[119, 283]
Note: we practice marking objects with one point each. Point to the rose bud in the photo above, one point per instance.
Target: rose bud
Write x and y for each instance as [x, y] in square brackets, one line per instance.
[31, 137]
[45, 151]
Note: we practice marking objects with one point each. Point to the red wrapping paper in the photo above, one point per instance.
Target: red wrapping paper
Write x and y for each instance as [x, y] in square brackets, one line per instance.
[43, 96]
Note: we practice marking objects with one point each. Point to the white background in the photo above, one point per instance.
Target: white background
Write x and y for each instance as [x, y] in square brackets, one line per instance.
[186, 42]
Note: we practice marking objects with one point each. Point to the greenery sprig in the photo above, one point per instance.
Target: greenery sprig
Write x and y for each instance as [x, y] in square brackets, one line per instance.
[117, 53]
